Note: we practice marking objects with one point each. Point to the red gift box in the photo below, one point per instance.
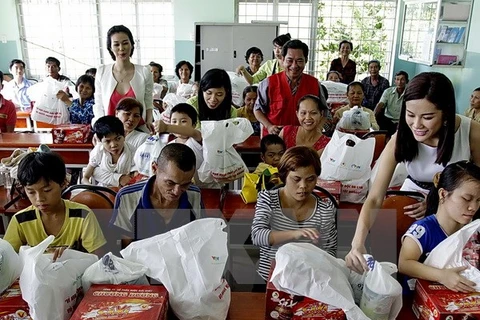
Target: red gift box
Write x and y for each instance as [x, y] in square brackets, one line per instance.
[12, 305]
[332, 186]
[129, 302]
[434, 301]
[284, 306]
[71, 133]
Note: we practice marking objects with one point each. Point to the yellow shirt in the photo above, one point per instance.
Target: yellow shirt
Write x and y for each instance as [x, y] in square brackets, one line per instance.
[193, 101]
[266, 70]
[80, 229]
[243, 113]
[373, 121]
[473, 114]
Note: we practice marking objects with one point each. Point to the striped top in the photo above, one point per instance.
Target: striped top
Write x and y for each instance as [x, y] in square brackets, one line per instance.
[269, 217]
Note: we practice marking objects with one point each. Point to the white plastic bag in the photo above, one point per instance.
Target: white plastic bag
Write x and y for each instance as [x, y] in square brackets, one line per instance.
[221, 162]
[185, 90]
[347, 159]
[382, 294]
[147, 153]
[189, 261]
[171, 100]
[47, 107]
[337, 92]
[114, 270]
[10, 265]
[448, 253]
[355, 119]
[306, 270]
[51, 288]
[238, 85]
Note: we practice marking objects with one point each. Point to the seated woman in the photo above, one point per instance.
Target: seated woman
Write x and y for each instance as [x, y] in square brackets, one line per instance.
[129, 111]
[214, 99]
[355, 93]
[249, 98]
[293, 213]
[81, 109]
[455, 198]
[183, 87]
[311, 114]
[254, 58]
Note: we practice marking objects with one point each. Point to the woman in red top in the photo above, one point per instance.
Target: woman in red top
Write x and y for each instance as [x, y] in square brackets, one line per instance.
[311, 114]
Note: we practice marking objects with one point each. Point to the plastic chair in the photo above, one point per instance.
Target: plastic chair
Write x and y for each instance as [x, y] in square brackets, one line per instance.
[381, 139]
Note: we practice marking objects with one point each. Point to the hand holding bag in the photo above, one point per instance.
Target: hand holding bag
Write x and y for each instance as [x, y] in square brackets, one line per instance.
[48, 108]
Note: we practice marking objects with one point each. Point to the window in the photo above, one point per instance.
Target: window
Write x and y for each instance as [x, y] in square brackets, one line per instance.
[322, 24]
[74, 31]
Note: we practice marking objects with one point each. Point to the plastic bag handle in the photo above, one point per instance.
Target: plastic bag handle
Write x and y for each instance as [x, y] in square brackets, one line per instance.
[40, 248]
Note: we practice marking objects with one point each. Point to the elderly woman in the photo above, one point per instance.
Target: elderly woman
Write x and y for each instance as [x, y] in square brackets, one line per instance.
[129, 111]
[346, 66]
[123, 78]
[293, 213]
[184, 86]
[254, 58]
[312, 115]
[355, 93]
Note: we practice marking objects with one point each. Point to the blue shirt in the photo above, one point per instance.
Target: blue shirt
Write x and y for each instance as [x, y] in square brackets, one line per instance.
[133, 203]
[81, 114]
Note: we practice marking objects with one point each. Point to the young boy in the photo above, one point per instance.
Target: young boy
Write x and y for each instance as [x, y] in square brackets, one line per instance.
[272, 148]
[111, 160]
[74, 225]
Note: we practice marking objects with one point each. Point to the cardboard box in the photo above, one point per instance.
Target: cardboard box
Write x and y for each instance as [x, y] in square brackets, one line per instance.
[71, 133]
[332, 186]
[284, 306]
[433, 301]
[130, 302]
[12, 305]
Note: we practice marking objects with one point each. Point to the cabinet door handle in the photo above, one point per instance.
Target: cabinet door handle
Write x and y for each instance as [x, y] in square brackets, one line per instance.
[203, 55]
[234, 54]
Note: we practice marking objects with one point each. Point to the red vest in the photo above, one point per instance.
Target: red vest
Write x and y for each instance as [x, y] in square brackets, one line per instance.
[282, 104]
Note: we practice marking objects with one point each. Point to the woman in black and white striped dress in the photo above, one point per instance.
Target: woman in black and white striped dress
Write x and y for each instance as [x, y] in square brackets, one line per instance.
[293, 213]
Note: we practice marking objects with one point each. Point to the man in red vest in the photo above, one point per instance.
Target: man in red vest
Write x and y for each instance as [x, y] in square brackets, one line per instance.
[278, 95]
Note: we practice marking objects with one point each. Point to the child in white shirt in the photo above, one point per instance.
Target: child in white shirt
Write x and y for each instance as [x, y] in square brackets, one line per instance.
[111, 160]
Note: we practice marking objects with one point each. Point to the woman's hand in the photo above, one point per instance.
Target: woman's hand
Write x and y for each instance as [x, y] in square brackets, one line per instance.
[416, 210]
[159, 126]
[452, 279]
[306, 233]
[355, 260]
[273, 129]
[150, 127]
[240, 70]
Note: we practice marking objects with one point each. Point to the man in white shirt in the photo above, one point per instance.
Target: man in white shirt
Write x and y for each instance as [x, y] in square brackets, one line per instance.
[16, 89]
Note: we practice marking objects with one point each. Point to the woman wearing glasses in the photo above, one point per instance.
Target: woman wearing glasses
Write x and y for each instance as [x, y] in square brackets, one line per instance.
[430, 136]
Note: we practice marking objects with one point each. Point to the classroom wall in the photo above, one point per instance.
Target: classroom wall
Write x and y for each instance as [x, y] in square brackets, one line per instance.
[464, 79]
[9, 34]
[187, 12]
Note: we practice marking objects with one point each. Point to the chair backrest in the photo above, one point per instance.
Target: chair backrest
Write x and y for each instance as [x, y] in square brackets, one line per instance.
[397, 200]
[381, 139]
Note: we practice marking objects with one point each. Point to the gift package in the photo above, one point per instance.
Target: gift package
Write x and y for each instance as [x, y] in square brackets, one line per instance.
[281, 305]
[12, 305]
[433, 301]
[130, 302]
[71, 133]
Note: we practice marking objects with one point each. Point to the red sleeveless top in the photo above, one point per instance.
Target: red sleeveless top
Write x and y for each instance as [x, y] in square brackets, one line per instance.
[115, 98]
[290, 138]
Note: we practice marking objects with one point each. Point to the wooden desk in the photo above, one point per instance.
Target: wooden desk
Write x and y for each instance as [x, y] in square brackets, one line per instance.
[251, 145]
[251, 306]
[74, 155]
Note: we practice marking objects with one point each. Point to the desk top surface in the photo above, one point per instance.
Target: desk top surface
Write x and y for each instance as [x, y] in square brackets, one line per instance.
[26, 140]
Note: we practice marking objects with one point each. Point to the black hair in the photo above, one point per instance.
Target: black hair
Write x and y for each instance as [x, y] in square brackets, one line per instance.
[345, 41]
[1, 78]
[333, 71]
[437, 89]
[180, 64]
[14, 61]
[85, 79]
[298, 157]
[375, 61]
[180, 154]
[476, 89]
[322, 107]
[270, 139]
[156, 65]
[91, 72]
[282, 39]
[295, 44]
[249, 89]
[107, 125]
[187, 109]
[215, 78]
[324, 91]
[119, 29]
[450, 179]
[356, 83]
[253, 50]
[54, 60]
[41, 165]
[402, 73]
[128, 103]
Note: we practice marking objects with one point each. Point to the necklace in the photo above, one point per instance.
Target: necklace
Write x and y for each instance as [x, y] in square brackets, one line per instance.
[118, 73]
